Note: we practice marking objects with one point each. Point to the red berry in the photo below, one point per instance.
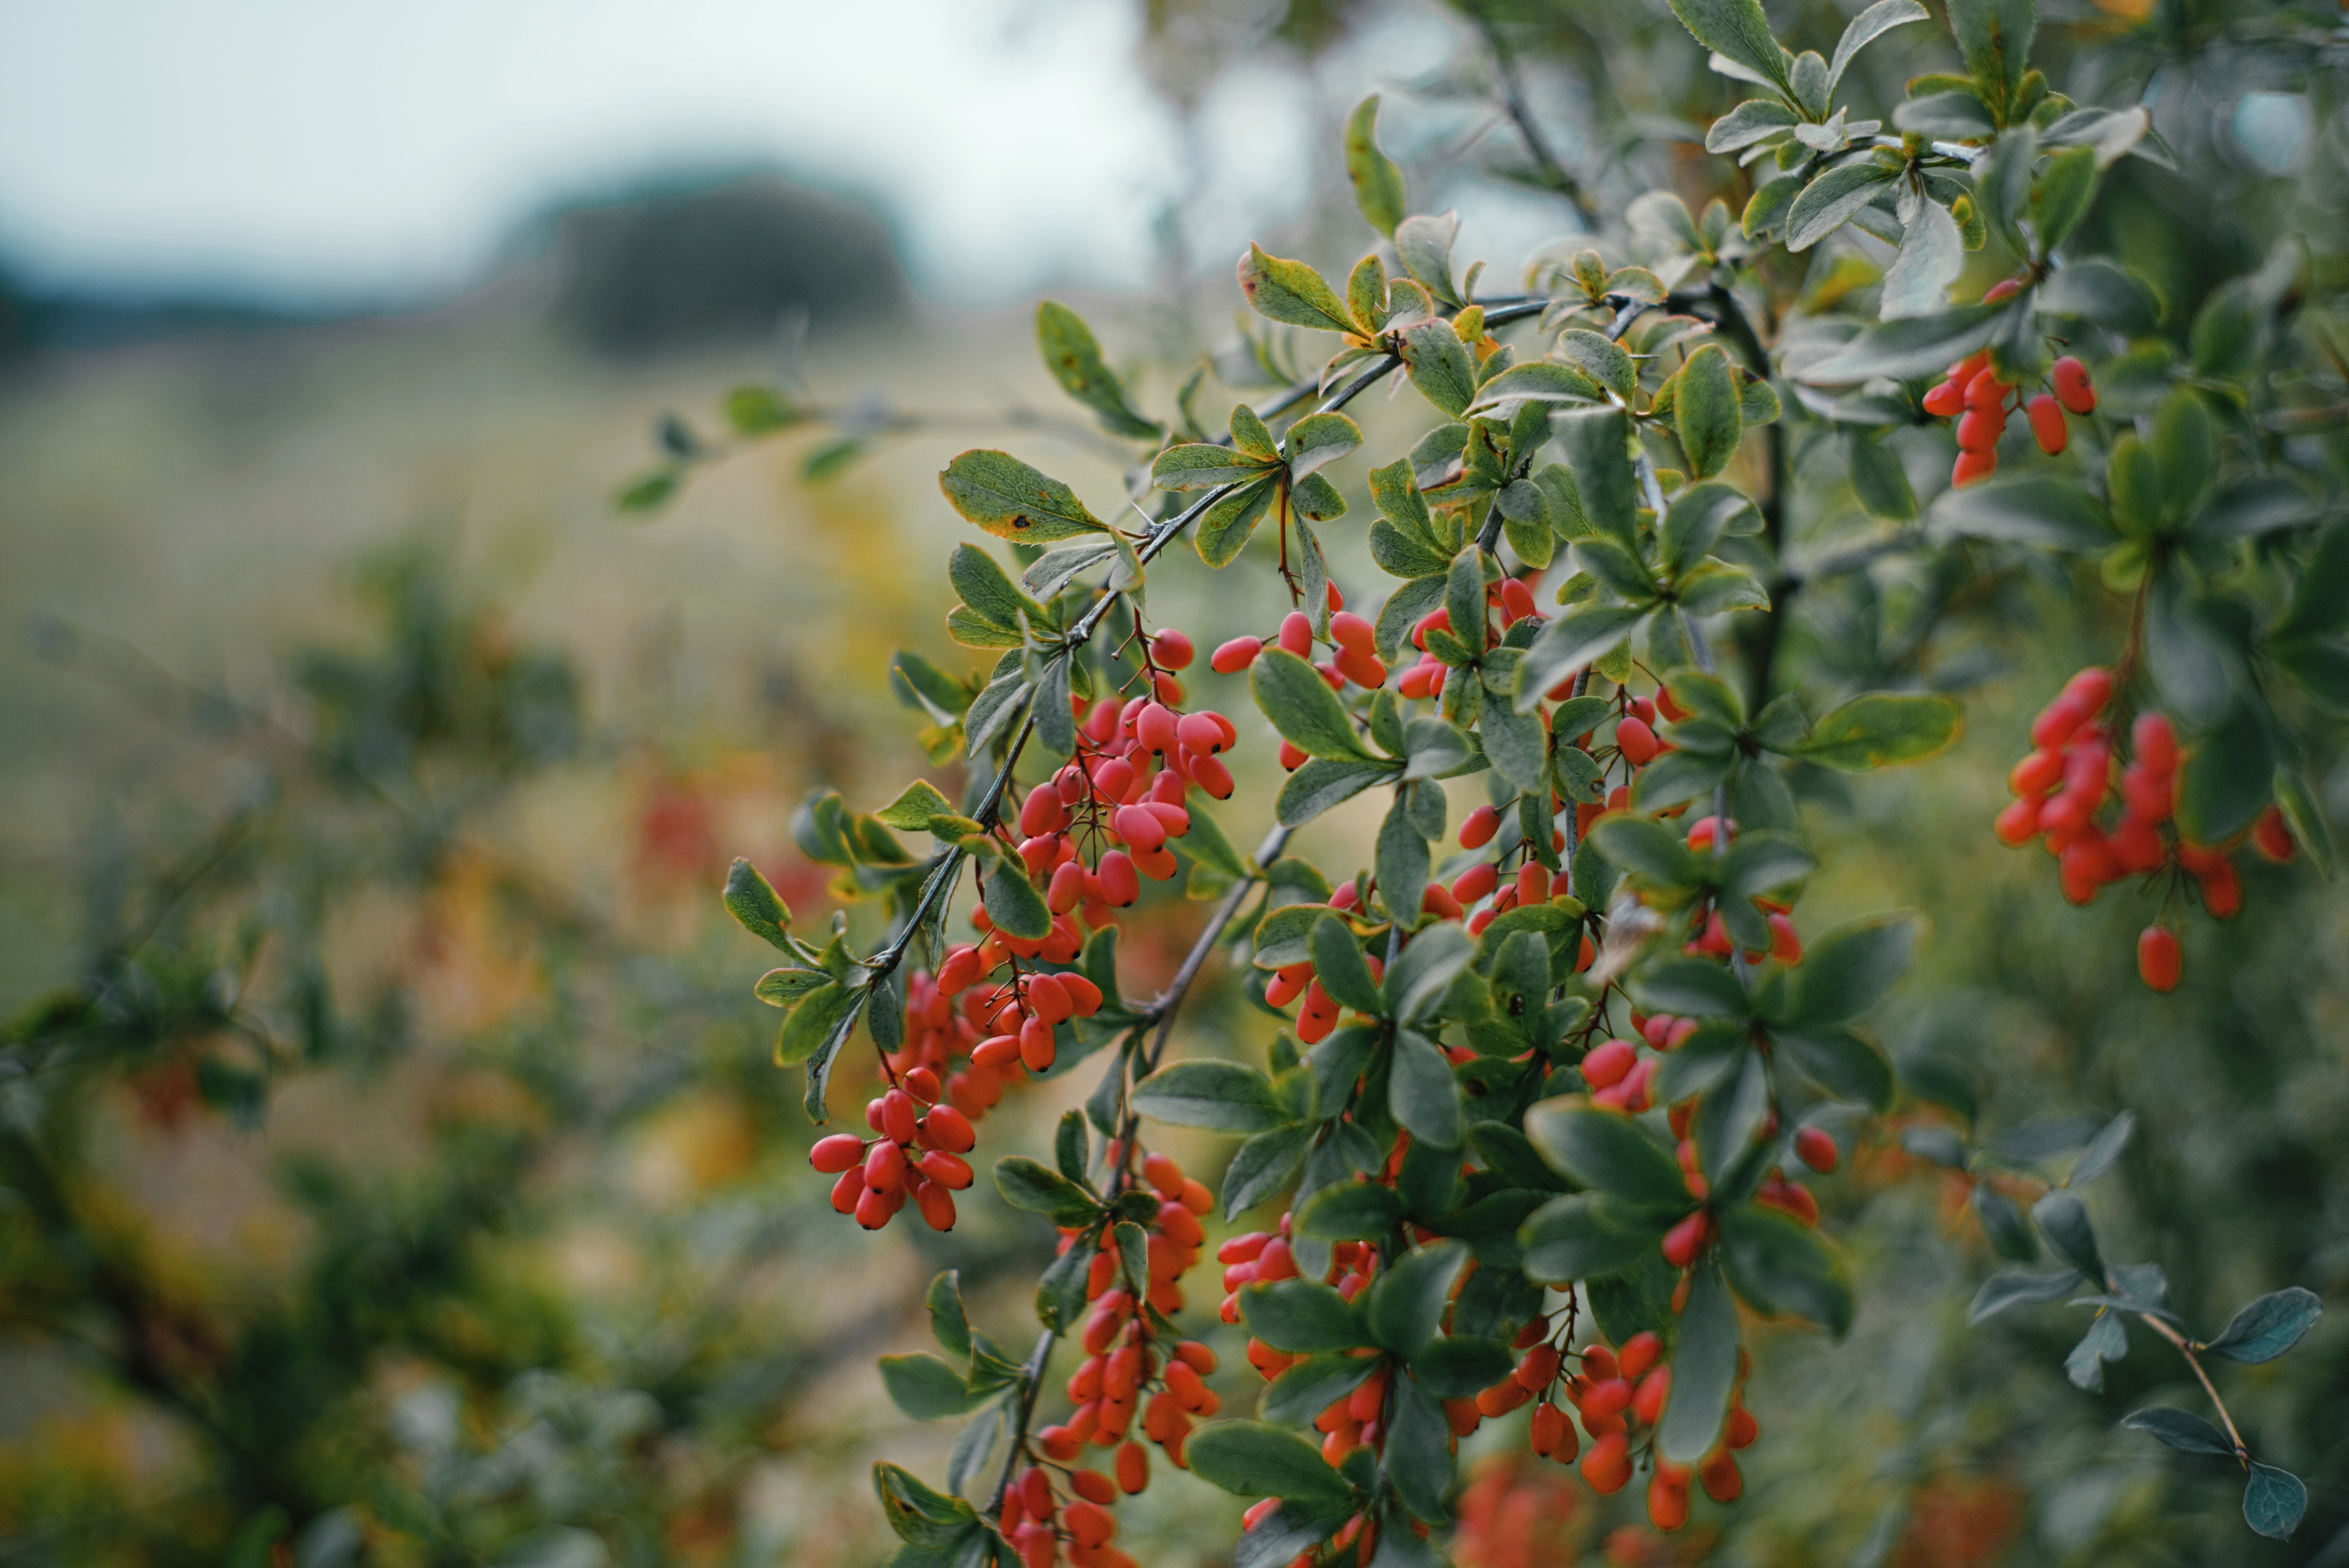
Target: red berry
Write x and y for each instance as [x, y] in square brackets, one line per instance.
[2039, 771]
[1235, 655]
[1972, 468]
[1638, 741]
[1120, 885]
[1639, 1353]
[1347, 630]
[2270, 837]
[2047, 423]
[1607, 1064]
[1979, 429]
[1816, 1149]
[949, 1129]
[1297, 634]
[2072, 389]
[1608, 1466]
[841, 1151]
[2004, 289]
[2154, 742]
[1945, 399]
[1477, 828]
[1172, 650]
[1684, 1241]
[1986, 390]
[2158, 962]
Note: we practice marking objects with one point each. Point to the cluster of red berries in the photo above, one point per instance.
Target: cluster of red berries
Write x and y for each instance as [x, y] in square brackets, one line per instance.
[1618, 1396]
[1124, 1374]
[916, 1155]
[2067, 779]
[1983, 402]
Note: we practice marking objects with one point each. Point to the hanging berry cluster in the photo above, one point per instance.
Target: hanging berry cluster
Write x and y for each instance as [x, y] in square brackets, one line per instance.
[2063, 786]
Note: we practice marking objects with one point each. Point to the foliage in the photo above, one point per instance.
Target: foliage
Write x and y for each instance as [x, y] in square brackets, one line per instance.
[1531, 1126]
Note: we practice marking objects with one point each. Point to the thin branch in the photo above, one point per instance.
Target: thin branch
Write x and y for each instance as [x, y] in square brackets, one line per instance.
[1513, 98]
[2185, 1349]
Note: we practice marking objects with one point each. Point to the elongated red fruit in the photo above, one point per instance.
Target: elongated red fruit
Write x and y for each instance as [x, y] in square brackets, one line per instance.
[2158, 962]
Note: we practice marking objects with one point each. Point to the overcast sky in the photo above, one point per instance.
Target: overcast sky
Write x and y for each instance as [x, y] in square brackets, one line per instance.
[336, 150]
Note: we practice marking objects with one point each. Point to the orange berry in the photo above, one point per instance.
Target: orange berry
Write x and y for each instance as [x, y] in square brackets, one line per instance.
[2073, 388]
[2158, 962]
[1972, 467]
[2046, 424]
[1816, 1149]
[1639, 1353]
[1608, 1466]
[2269, 836]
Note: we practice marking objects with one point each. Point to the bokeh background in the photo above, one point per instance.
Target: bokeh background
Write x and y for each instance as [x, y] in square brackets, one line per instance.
[390, 1165]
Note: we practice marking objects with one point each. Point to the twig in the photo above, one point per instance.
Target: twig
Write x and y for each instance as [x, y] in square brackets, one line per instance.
[2185, 1349]
[1513, 98]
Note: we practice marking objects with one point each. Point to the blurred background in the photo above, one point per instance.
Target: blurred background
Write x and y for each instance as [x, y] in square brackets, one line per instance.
[391, 1169]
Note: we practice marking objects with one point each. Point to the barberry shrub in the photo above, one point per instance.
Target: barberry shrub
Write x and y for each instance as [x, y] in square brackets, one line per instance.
[1540, 1129]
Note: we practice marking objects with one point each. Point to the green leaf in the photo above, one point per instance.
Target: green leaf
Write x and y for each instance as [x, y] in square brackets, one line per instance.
[1339, 964]
[2031, 509]
[1932, 254]
[1597, 454]
[1312, 1385]
[648, 492]
[921, 809]
[1704, 1371]
[2267, 1326]
[1440, 365]
[1705, 410]
[1584, 1236]
[1845, 972]
[1841, 1061]
[1074, 358]
[1423, 1091]
[1878, 481]
[1540, 380]
[1756, 119]
[2225, 782]
[1461, 1367]
[1607, 1150]
[1578, 638]
[1424, 245]
[1416, 1460]
[2099, 290]
[1204, 465]
[1263, 1166]
[1401, 860]
[1646, 848]
[1781, 1268]
[2063, 1219]
[1223, 531]
[1036, 1186]
[1737, 30]
[1689, 987]
[1301, 1315]
[1829, 201]
[1883, 730]
[1418, 978]
[926, 1387]
[1911, 345]
[949, 1325]
[1321, 783]
[812, 1022]
[1994, 37]
[755, 905]
[1223, 1096]
[2020, 1287]
[1013, 501]
[1378, 183]
[1406, 1303]
[1254, 1459]
[1351, 1211]
[2060, 197]
[2273, 1502]
[988, 591]
[1318, 439]
[787, 987]
[1302, 706]
[2182, 1431]
[1291, 292]
[920, 1515]
[1012, 901]
[1601, 359]
[1867, 28]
